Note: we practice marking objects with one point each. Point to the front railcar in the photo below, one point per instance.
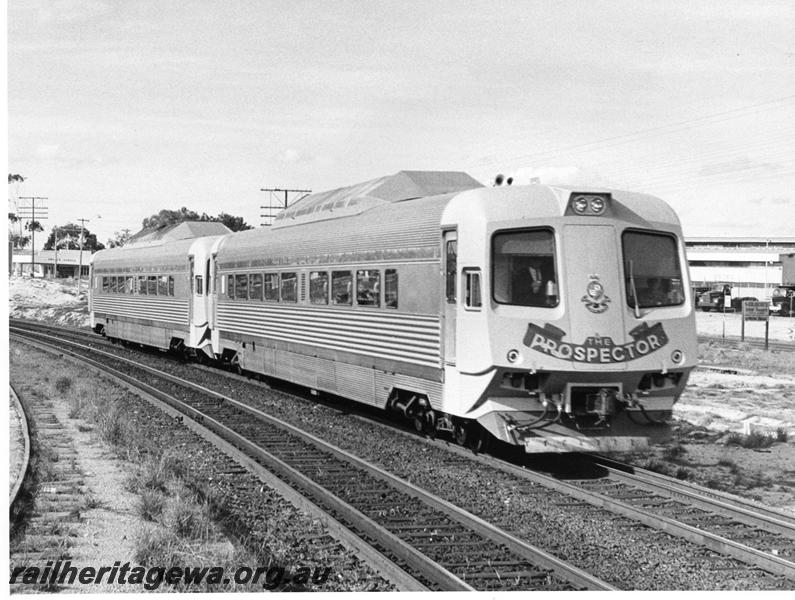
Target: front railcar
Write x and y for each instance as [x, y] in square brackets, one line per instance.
[588, 313]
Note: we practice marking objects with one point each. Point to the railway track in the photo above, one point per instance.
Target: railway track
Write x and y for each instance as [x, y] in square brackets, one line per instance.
[20, 447]
[750, 532]
[439, 544]
[760, 537]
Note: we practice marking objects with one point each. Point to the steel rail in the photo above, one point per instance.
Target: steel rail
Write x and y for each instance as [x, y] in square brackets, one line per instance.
[23, 470]
[535, 555]
[771, 563]
[745, 511]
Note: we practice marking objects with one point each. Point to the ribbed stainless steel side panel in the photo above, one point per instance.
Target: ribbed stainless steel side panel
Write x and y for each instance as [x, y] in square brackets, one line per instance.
[408, 338]
[155, 308]
[357, 383]
[387, 381]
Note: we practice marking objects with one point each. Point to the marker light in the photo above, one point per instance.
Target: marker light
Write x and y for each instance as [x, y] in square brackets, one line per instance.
[589, 204]
[597, 204]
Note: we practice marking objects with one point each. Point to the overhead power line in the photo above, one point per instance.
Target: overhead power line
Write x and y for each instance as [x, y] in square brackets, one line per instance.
[659, 130]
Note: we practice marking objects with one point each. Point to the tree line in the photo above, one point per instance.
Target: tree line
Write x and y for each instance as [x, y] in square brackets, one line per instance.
[69, 235]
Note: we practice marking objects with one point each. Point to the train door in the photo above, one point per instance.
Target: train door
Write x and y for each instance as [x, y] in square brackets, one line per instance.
[594, 291]
[212, 277]
[450, 266]
[190, 290]
[199, 257]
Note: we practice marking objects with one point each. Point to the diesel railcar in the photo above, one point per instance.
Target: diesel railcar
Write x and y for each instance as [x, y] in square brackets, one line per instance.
[156, 292]
[552, 318]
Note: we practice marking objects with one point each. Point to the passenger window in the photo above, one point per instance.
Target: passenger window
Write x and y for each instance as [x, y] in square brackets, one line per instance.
[289, 287]
[241, 287]
[450, 269]
[272, 287]
[318, 287]
[341, 284]
[391, 288]
[151, 285]
[162, 285]
[230, 286]
[472, 298]
[170, 285]
[198, 288]
[368, 287]
[142, 285]
[255, 286]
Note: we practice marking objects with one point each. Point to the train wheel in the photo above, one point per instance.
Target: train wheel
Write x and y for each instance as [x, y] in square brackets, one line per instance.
[479, 438]
[419, 423]
[460, 433]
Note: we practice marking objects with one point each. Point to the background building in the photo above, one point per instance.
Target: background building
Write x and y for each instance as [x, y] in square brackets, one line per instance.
[751, 265]
[44, 262]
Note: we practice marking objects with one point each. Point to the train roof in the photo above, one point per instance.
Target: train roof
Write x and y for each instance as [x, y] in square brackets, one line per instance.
[162, 255]
[355, 199]
[178, 231]
[407, 230]
[388, 223]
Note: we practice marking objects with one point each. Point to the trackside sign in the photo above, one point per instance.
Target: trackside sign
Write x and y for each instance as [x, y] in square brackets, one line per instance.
[596, 350]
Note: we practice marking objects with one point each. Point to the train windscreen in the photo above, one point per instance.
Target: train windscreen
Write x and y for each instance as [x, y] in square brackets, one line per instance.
[651, 269]
[523, 268]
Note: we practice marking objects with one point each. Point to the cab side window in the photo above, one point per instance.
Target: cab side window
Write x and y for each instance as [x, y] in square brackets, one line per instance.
[472, 292]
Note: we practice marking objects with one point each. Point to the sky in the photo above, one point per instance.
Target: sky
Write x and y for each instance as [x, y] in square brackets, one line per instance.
[120, 108]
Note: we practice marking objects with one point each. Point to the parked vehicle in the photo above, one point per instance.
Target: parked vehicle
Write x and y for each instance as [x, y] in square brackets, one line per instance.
[782, 302]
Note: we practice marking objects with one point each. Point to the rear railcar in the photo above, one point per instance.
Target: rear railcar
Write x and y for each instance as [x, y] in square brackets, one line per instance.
[149, 294]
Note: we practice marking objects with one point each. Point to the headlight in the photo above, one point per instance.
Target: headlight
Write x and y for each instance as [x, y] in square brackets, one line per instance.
[580, 204]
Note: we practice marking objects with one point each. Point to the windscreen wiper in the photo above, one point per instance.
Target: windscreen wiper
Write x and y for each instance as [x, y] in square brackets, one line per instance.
[634, 290]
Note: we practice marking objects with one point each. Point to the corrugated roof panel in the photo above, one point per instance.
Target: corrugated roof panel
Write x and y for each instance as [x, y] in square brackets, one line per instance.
[353, 200]
[406, 231]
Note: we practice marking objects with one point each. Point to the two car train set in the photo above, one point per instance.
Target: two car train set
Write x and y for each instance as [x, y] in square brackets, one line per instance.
[554, 319]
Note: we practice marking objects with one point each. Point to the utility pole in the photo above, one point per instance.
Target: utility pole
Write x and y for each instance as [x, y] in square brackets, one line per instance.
[30, 212]
[55, 246]
[80, 260]
[275, 209]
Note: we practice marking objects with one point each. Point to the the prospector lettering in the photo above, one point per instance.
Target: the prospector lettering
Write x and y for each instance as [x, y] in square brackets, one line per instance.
[600, 350]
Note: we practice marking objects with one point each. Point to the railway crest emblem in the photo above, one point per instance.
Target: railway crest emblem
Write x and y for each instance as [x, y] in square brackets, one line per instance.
[595, 298]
